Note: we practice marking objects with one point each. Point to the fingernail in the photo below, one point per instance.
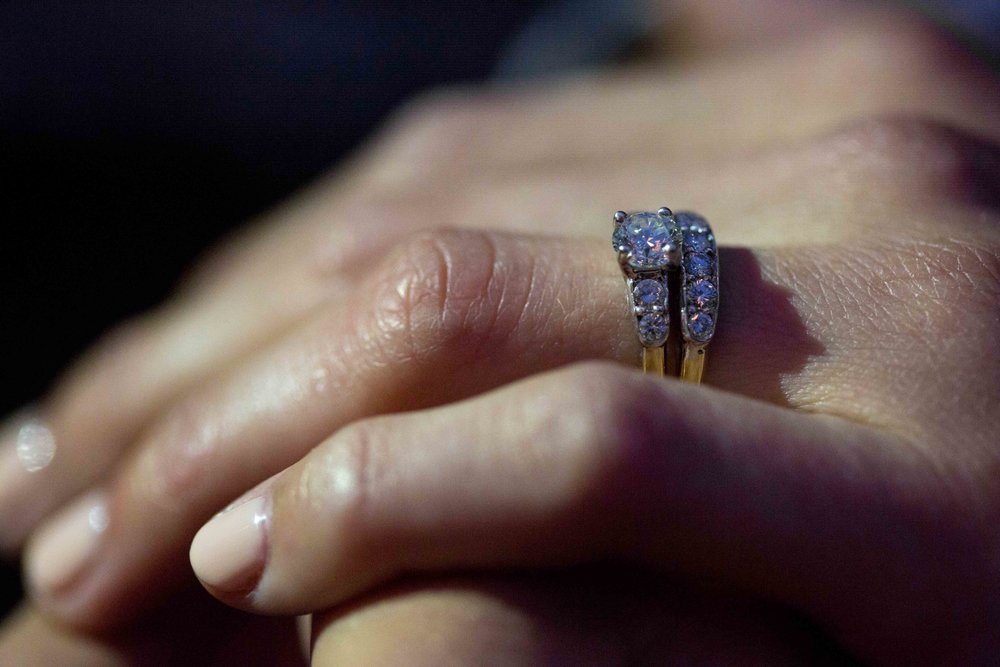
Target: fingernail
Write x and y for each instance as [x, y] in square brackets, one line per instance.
[65, 544]
[27, 446]
[35, 445]
[228, 552]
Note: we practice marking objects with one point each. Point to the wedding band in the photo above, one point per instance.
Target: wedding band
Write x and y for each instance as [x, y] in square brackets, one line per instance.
[671, 267]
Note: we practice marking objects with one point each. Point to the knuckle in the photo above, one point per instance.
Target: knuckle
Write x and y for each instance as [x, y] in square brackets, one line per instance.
[947, 289]
[920, 158]
[109, 370]
[340, 478]
[905, 52]
[455, 290]
[175, 456]
[333, 495]
[958, 270]
[973, 267]
[908, 39]
[112, 356]
[450, 106]
[601, 418]
[430, 134]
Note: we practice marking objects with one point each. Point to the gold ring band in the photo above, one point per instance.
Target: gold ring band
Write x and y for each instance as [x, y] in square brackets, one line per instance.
[692, 363]
[652, 360]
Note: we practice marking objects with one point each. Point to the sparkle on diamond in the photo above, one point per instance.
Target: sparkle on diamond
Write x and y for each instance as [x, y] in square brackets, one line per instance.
[688, 220]
[700, 325]
[648, 292]
[648, 239]
[696, 242]
[652, 328]
[702, 293]
[697, 264]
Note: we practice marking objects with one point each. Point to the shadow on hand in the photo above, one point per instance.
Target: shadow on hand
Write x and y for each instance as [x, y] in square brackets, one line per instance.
[761, 338]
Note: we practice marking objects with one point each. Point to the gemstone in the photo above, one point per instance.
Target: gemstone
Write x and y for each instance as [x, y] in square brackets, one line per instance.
[648, 238]
[652, 328]
[702, 293]
[698, 264]
[700, 326]
[694, 242]
[693, 221]
[648, 292]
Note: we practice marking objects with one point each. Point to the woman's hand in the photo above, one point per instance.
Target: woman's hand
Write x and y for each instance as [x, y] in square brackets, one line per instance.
[882, 312]
[886, 541]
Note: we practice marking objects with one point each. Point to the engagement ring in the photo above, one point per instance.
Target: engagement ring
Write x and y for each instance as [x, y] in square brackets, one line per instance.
[671, 267]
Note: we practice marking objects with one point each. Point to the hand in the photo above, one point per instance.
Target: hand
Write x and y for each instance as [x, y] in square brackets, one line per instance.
[882, 539]
[264, 387]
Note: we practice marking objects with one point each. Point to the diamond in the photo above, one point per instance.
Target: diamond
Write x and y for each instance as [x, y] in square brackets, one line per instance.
[648, 292]
[702, 293]
[694, 242]
[652, 328]
[688, 220]
[698, 264]
[649, 239]
[700, 326]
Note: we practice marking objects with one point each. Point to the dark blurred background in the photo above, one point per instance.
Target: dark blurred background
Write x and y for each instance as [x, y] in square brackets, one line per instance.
[134, 134]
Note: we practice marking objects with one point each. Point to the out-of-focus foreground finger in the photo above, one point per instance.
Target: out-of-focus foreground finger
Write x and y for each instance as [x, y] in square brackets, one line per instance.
[26, 638]
[97, 410]
[707, 28]
[587, 616]
[599, 461]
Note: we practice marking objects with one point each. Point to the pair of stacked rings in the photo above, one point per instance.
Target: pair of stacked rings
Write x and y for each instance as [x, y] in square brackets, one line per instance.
[671, 266]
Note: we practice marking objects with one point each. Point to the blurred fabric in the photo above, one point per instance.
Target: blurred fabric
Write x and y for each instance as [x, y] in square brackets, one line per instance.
[134, 134]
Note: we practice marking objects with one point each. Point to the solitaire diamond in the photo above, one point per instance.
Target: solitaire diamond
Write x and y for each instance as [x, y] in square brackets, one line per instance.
[649, 239]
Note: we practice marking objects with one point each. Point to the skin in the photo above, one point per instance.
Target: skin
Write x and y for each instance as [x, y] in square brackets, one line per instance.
[851, 413]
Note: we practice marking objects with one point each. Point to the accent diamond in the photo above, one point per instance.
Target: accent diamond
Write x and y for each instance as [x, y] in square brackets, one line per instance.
[652, 329]
[694, 242]
[648, 292]
[691, 221]
[698, 265]
[702, 293]
[700, 326]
